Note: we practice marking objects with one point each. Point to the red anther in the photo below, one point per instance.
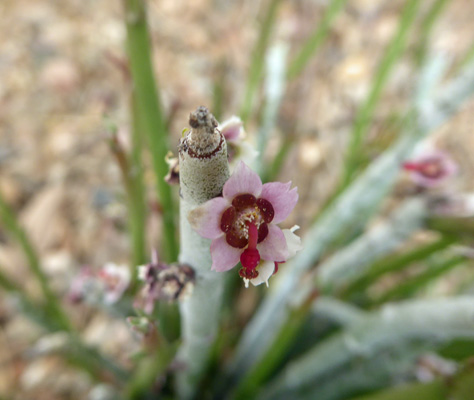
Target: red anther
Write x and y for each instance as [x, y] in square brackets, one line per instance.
[228, 219]
[244, 200]
[235, 240]
[262, 232]
[266, 209]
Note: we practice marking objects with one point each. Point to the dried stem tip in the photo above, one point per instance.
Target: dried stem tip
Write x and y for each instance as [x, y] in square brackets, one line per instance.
[204, 137]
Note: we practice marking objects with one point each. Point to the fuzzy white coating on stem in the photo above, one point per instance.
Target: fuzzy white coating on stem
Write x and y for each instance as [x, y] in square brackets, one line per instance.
[203, 171]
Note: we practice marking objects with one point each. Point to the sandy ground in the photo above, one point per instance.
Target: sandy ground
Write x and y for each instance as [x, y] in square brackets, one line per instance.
[62, 69]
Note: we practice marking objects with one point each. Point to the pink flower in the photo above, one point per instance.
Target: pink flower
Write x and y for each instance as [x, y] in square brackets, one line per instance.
[243, 227]
[238, 148]
[163, 282]
[81, 284]
[104, 286]
[431, 169]
[115, 279]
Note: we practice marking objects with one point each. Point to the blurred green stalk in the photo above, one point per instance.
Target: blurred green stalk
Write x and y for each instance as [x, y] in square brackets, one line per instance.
[427, 26]
[151, 116]
[258, 59]
[411, 286]
[311, 46]
[366, 111]
[466, 59]
[7, 216]
[279, 159]
[32, 309]
[309, 49]
[131, 169]
[137, 198]
[393, 263]
[434, 390]
[261, 371]
[218, 90]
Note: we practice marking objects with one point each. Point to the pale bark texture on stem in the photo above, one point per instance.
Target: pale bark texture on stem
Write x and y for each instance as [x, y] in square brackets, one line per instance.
[203, 170]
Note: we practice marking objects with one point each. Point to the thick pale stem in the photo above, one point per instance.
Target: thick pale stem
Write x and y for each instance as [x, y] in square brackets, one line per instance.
[203, 171]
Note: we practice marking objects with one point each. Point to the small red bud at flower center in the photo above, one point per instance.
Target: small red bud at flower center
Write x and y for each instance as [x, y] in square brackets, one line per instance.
[250, 258]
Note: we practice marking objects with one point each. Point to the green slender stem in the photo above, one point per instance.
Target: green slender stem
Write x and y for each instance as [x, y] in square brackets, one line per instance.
[34, 310]
[311, 46]
[93, 362]
[365, 113]
[466, 59]
[151, 115]
[10, 222]
[406, 289]
[132, 179]
[154, 365]
[7, 284]
[395, 263]
[277, 164]
[137, 201]
[427, 26]
[218, 90]
[257, 62]
[456, 226]
[263, 369]
[434, 390]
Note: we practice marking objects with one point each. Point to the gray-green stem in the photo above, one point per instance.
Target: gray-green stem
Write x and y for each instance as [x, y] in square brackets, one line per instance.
[203, 171]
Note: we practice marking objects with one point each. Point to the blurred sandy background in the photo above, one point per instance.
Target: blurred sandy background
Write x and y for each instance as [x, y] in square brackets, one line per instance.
[63, 73]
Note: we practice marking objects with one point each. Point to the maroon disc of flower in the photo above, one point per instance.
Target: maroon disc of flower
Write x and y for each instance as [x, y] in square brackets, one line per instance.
[242, 223]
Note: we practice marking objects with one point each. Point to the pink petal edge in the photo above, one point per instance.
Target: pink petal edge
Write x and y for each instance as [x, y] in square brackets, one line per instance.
[224, 257]
[274, 247]
[231, 128]
[206, 218]
[282, 198]
[243, 180]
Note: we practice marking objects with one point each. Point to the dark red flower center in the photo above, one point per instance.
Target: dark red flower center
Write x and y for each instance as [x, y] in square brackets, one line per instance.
[246, 209]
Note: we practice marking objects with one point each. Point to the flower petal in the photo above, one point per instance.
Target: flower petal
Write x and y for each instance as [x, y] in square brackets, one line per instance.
[224, 257]
[282, 198]
[274, 247]
[243, 180]
[231, 128]
[206, 218]
[265, 271]
[293, 241]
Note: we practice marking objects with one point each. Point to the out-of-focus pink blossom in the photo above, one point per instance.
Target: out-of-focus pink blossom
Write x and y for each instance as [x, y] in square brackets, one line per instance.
[106, 285]
[431, 169]
[80, 284]
[115, 279]
[163, 282]
[238, 148]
